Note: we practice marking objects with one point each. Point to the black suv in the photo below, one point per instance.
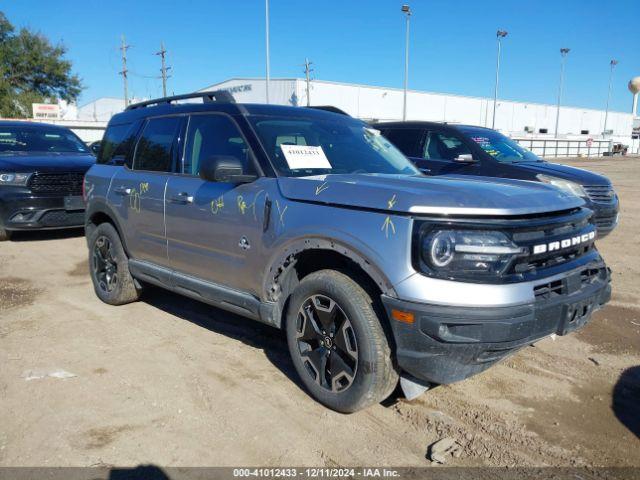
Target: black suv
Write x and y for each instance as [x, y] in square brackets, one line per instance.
[445, 149]
[41, 172]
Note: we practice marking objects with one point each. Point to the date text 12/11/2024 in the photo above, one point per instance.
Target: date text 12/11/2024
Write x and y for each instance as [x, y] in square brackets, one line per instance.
[363, 472]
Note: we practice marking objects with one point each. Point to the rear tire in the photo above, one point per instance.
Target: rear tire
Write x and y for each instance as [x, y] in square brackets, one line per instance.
[4, 234]
[109, 267]
[337, 343]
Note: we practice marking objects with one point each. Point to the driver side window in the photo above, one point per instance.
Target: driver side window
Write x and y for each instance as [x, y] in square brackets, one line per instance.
[441, 146]
[213, 135]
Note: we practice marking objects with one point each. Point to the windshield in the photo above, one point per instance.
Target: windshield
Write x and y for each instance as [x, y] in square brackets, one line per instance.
[17, 139]
[500, 147]
[301, 147]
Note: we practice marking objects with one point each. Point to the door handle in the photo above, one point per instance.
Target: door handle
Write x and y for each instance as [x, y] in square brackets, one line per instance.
[182, 198]
[122, 190]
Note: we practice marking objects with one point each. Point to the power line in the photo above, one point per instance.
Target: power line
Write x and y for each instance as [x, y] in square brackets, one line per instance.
[163, 69]
[123, 48]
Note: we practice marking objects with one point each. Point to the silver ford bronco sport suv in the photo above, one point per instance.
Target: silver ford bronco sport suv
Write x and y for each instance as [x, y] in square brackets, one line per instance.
[312, 222]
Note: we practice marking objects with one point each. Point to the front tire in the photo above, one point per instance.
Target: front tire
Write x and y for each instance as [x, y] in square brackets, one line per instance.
[109, 267]
[337, 343]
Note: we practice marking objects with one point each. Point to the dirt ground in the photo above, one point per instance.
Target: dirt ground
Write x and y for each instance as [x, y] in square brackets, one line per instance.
[172, 382]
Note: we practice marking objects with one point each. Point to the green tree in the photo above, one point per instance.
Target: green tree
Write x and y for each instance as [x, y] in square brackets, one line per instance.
[32, 70]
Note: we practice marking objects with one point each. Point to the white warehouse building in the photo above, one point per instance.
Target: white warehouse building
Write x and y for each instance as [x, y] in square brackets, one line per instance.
[521, 120]
[102, 109]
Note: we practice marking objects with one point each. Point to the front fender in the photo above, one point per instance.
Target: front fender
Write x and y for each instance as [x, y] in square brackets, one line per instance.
[379, 242]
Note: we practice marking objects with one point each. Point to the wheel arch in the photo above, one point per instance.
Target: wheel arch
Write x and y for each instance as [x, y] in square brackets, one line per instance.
[100, 212]
[305, 256]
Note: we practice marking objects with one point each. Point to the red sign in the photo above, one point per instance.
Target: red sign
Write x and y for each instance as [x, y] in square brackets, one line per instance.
[46, 111]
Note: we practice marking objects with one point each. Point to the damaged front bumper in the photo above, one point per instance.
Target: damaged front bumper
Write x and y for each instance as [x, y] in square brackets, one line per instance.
[445, 343]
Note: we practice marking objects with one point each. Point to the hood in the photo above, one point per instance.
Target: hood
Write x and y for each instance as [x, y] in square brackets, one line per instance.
[578, 175]
[429, 195]
[46, 162]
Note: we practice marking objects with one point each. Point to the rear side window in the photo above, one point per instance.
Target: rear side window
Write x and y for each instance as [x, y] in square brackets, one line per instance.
[154, 151]
[407, 140]
[113, 139]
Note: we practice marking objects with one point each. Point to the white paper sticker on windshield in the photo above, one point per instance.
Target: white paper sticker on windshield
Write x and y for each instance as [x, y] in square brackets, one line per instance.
[305, 156]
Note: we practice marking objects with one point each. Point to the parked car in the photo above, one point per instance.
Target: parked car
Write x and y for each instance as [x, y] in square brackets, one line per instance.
[448, 149]
[41, 172]
[312, 222]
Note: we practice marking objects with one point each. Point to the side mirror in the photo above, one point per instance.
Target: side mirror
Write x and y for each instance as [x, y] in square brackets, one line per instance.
[465, 158]
[224, 169]
[118, 160]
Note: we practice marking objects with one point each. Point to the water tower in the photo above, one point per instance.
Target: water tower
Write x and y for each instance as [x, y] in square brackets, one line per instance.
[634, 87]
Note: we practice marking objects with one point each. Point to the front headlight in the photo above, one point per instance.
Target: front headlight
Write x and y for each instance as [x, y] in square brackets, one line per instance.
[564, 185]
[16, 179]
[460, 253]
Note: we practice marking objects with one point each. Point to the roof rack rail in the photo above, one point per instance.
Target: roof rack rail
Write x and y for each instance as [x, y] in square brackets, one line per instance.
[221, 96]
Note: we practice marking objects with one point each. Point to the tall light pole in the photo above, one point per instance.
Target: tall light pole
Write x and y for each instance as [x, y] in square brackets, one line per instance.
[500, 34]
[563, 55]
[407, 11]
[266, 17]
[612, 63]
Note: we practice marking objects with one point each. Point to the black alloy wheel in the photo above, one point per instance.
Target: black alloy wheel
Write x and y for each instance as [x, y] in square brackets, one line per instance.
[109, 266]
[104, 264]
[327, 343]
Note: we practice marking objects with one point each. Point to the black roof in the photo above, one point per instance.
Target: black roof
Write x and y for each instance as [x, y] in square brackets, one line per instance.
[329, 108]
[423, 124]
[165, 107]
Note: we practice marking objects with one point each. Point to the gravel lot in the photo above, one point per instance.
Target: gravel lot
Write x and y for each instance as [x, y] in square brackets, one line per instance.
[172, 382]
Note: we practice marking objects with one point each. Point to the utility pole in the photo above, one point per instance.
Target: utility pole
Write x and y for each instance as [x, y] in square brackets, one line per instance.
[407, 11]
[307, 71]
[164, 68]
[266, 19]
[124, 47]
[500, 34]
[563, 54]
[612, 63]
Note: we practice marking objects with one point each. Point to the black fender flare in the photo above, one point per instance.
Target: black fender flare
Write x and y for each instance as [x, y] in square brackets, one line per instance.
[103, 208]
[286, 258]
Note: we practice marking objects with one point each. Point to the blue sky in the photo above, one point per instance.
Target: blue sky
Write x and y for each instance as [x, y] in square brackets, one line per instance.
[452, 43]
